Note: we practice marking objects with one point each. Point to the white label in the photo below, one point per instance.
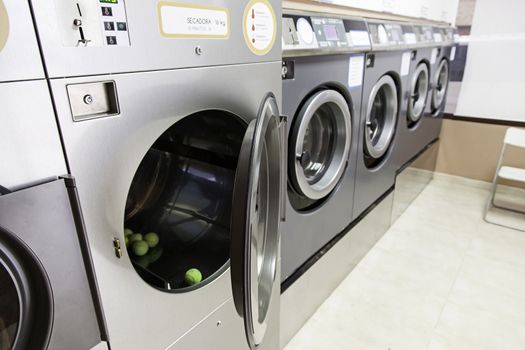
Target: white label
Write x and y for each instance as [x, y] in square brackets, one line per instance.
[359, 38]
[259, 26]
[438, 38]
[410, 38]
[405, 63]
[433, 56]
[181, 20]
[453, 53]
[356, 70]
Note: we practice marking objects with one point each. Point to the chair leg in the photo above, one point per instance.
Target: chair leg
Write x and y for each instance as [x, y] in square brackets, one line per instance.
[490, 201]
[494, 182]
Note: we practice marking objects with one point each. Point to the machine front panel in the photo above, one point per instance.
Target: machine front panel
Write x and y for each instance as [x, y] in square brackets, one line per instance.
[89, 37]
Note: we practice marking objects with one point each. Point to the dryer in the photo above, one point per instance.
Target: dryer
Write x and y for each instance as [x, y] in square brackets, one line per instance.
[413, 133]
[48, 294]
[170, 120]
[322, 88]
[380, 112]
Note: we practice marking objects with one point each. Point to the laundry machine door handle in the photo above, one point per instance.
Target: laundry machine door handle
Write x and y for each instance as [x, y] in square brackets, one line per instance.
[255, 218]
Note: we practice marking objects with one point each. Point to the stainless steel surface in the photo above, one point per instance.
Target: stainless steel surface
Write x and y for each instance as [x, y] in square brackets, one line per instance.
[94, 100]
[30, 148]
[19, 55]
[413, 180]
[381, 117]
[321, 138]
[301, 299]
[419, 88]
[105, 154]
[148, 47]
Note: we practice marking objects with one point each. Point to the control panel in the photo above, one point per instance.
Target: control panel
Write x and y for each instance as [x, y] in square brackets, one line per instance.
[323, 34]
[88, 23]
[424, 34]
[330, 32]
[386, 34]
[409, 34]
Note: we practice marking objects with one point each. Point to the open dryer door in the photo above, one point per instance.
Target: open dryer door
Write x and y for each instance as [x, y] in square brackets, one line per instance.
[255, 221]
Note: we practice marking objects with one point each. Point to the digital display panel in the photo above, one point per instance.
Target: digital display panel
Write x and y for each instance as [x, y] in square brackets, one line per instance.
[109, 1]
[330, 32]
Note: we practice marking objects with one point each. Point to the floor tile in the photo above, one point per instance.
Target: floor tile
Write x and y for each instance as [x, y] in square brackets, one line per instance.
[440, 279]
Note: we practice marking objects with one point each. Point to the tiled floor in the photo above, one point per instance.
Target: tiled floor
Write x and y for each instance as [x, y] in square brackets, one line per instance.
[441, 278]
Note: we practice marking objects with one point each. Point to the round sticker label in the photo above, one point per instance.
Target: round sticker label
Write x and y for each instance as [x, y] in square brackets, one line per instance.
[4, 25]
[260, 26]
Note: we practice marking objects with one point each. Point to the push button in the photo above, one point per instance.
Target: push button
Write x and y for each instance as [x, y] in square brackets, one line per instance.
[111, 40]
[109, 25]
[122, 26]
[107, 11]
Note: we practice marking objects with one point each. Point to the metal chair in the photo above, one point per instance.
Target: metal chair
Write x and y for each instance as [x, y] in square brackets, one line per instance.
[513, 137]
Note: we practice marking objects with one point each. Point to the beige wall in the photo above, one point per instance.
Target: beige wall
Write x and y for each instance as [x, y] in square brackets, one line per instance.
[472, 149]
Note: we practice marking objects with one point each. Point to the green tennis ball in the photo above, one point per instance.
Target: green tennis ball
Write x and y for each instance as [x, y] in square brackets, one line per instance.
[135, 237]
[128, 232]
[140, 248]
[192, 277]
[143, 261]
[152, 239]
[154, 254]
[126, 239]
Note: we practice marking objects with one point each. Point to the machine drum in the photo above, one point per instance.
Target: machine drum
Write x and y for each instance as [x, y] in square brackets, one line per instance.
[178, 209]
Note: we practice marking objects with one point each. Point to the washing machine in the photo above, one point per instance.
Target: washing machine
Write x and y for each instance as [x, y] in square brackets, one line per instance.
[385, 75]
[48, 294]
[170, 120]
[48, 299]
[439, 80]
[413, 133]
[322, 88]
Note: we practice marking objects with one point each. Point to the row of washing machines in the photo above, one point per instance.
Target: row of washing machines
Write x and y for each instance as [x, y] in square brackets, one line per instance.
[364, 97]
[184, 122]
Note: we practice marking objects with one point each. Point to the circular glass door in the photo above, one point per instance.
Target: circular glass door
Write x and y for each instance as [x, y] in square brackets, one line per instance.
[441, 85]
[381, 117]
[319, 148]
[418, 94]
[9, 310]
[26, 304]
[178, 210]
